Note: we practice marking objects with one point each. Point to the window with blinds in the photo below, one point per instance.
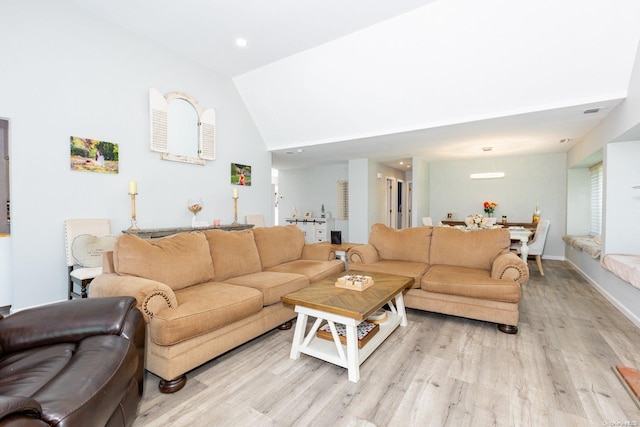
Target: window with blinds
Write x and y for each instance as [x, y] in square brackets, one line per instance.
[595, 195]
[343, 199]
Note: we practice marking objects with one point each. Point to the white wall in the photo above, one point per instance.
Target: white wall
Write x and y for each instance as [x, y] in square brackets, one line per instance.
[359, 196]
[66, 73]
[622, 201]
[578, 201]
[528, 180]
[308, 189]
[420, 178]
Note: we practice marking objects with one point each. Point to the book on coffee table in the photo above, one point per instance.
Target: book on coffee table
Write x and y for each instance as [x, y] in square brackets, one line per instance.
[366, 331]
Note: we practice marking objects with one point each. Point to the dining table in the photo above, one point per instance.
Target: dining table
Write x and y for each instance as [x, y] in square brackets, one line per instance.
[522, 235]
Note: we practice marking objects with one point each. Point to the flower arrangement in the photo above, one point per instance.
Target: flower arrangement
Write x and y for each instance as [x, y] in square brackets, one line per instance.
[489, 207]
[475, 221]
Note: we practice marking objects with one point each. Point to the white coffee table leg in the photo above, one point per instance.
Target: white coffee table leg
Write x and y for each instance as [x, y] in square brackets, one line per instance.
[298, 335]
[353, 362]
[401, 309]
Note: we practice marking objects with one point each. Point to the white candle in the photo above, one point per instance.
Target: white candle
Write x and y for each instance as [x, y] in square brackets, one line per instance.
[235, 193]
[133, 187]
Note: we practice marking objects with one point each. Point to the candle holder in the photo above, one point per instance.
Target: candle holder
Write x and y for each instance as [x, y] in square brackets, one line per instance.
[235, 211]
[134, 224]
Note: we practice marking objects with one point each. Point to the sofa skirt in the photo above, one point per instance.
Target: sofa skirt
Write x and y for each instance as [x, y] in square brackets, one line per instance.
[471, 308]
[170, 362]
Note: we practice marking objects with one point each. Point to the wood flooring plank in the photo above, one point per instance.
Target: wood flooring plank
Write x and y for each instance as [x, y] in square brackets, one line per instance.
[438, 371]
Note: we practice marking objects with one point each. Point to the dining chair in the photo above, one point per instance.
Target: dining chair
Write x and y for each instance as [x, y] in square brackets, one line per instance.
[85, 242]
[256, 219]
[536, 245]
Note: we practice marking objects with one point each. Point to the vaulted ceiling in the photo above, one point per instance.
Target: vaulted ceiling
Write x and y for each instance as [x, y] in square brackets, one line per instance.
[435, 79]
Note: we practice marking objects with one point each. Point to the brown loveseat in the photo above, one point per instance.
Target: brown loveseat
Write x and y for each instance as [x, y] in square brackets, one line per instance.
[463, 273]
[74, 363]
[204, 293]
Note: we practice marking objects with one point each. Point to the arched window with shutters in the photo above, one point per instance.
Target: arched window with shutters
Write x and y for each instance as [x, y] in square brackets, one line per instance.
[181, 130]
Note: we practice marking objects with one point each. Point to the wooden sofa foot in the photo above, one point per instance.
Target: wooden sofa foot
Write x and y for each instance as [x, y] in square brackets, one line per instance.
[286, 326]
[171, 386]
[508, 329]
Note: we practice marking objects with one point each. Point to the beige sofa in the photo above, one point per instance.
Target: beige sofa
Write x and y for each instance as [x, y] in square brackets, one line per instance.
[204, 293]
[458, 272]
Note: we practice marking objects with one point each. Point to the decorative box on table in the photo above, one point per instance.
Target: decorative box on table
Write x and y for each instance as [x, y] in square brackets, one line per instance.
[366, 331]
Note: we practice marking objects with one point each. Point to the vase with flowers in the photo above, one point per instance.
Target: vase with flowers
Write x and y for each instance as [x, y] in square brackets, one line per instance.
[489, 208]
[475, 221]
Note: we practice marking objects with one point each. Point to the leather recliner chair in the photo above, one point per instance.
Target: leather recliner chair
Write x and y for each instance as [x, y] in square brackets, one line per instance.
[74, 363]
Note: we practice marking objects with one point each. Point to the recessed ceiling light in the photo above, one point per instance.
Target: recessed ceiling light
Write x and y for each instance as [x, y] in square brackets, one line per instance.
[563, 140]
[487, 148]
[241, 42]
[402, 163]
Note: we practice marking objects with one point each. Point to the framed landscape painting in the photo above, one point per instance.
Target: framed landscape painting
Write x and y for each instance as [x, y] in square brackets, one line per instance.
[93, 155]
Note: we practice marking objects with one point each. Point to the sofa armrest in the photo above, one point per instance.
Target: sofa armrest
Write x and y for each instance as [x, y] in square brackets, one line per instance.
[363, 254]
[318, 251]
[67, 321]
[19, 405]
[151, 296]
[511, 267]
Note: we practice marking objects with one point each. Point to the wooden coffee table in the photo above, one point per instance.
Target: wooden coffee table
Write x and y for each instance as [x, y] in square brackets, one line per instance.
[326, 302]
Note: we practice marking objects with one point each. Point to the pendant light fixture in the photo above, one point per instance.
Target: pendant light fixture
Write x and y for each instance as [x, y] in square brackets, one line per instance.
[488, 175]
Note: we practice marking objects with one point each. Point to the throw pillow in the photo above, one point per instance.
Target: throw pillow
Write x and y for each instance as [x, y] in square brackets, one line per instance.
[87, 249]
[178, 261]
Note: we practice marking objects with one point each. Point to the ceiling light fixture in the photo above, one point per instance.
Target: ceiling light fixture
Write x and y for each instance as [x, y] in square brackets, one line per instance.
[487, 175]
[240, 42]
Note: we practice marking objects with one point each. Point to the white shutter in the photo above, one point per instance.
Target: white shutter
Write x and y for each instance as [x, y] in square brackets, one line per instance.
[158, 113]
[343, 199]
[207, 140]
[595, 195]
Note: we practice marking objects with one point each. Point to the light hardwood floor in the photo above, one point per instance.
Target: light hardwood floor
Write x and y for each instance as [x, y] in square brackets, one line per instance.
[438, 371]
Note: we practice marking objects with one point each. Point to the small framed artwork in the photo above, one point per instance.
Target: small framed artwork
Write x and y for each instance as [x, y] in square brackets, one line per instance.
[240, 174]
[93, 155]
[307, 214]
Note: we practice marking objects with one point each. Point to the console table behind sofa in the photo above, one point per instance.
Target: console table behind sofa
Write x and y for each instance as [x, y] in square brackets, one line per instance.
[153, 233]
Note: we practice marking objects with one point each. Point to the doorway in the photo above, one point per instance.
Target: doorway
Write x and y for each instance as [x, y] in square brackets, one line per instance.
[400, 217]
[5, 216]
[396, 213]
[390, 203]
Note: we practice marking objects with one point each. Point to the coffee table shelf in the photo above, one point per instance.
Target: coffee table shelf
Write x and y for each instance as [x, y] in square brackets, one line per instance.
[326, 302]
[326, 349]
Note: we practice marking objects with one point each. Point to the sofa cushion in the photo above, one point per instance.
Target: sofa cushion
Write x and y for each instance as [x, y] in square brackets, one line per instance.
[399, 268]
[234, 253]
[409, 244]
[278, 244]
[314, 270]
[469, 282]
[468, 248]
[272, 284]
[201, 309]
[178, 261]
